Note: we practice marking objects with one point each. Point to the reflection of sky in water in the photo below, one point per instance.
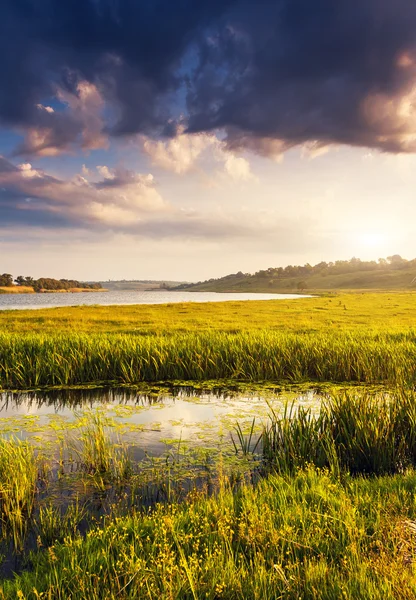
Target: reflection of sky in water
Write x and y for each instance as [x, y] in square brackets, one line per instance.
[125, 297]
[149, 423]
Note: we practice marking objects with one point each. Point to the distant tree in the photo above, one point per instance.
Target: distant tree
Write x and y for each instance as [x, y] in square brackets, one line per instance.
[396, 260]
[24, 281]
[302, 285]
[6, 280]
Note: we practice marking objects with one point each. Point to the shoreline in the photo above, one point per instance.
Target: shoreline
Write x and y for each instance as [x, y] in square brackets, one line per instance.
[30, 290]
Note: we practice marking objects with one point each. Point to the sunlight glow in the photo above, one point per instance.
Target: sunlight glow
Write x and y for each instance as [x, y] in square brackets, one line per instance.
[372, 239]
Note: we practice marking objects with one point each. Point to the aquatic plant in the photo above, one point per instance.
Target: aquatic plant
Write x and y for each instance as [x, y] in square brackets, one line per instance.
[18, 479]
[32, 360]
[363, 433]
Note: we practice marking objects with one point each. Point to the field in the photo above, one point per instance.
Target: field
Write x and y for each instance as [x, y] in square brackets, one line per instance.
[347, 338]
[383, 311]
[318, 504]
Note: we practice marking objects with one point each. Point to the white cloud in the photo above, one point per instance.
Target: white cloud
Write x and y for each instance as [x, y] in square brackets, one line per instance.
[237, 168]
[121, 197]
[105, 172]
[48, 109]
[180, 154]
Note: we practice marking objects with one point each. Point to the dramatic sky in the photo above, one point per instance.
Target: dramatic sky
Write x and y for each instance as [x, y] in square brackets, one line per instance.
[187, 139]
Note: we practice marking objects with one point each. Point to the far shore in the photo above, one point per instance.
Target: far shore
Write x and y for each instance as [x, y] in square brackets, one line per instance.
[20, 289]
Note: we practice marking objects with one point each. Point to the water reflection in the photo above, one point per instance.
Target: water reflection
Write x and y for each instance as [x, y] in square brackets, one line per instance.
[150, 421]
[124, 297]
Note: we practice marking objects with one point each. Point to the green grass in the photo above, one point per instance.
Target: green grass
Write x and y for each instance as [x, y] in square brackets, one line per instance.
[99, 456]
[18, 478]
[304, 533]
[32, 360]
[385, 311]
[304, 536]
[378, 279]
[317, 529]
[355, 337]
[355, 433]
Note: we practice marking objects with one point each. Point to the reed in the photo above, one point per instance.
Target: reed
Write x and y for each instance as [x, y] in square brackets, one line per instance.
[33, 360]
[99, 456]
[18, 483]
[356, 433]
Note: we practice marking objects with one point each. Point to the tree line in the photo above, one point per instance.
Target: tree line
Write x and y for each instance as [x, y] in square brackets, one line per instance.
[339, 267]
[45, 283]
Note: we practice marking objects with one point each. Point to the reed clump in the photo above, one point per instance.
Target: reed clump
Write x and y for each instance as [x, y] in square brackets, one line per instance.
[364, 433]
[33, 360]
[18, 484]
[101, 457]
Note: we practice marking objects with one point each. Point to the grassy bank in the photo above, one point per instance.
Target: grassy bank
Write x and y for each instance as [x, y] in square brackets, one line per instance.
[349, 338]
[364, 311]
[301, 536]
[17, 289]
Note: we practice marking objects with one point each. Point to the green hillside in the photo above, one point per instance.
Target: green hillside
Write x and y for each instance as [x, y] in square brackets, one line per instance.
[391, 273]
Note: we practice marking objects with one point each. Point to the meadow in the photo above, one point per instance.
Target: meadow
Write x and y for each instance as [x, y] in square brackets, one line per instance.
[320, 505]
[348, 338]
[365, 311]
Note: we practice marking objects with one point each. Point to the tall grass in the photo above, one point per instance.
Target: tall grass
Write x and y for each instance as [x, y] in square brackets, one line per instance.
[99, 456]
[19, 471]
[357, 433]
[304, 536]
[31, 360]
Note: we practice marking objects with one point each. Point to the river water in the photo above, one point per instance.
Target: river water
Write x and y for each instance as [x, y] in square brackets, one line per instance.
[120, 297]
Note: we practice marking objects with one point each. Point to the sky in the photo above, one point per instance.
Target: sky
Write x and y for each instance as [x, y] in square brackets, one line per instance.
[190, 139]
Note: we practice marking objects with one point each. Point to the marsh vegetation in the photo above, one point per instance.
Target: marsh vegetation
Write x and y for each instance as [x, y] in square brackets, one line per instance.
[307, 501]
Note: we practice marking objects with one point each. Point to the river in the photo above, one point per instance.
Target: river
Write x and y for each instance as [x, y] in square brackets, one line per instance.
[123, 297]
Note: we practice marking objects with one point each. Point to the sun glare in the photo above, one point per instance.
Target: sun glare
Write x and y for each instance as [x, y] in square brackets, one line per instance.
[372, 239]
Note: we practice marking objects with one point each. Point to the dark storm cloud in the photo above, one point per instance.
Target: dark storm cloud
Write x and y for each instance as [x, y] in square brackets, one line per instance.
[129, 48]
[271, 74]
[309, 70]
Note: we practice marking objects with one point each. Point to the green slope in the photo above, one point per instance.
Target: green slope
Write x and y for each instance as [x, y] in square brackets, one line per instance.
[404, 278]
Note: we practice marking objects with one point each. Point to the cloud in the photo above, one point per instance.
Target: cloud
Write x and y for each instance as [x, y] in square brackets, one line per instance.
[183, 153]
[121, 201]
[269, 75]
[79, 125]
[179, 154]
[238, 168]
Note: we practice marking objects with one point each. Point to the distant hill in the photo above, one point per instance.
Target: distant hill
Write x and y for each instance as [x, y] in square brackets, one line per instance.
[140, 285]
[394, 272]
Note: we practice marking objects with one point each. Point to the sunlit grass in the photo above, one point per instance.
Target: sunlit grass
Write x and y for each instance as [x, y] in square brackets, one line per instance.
[31, 360]
[19, 473]
[383, 311]
[355, 433]
[303, 536]
[312, 531]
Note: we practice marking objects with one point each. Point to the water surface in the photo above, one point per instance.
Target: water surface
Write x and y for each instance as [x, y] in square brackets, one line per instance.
[150, 423]
[122, 297]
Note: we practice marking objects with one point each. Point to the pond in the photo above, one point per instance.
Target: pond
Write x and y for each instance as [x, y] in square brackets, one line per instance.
[149, 422]
[124, 297]
[161, 443]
